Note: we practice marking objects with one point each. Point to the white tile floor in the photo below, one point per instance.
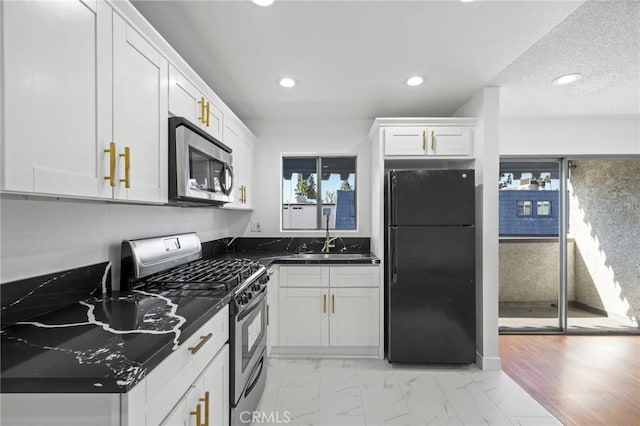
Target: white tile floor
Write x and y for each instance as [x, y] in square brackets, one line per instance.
[354, 392]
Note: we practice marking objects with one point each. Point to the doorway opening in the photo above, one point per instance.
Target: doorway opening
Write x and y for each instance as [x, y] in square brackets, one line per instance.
[569, 232]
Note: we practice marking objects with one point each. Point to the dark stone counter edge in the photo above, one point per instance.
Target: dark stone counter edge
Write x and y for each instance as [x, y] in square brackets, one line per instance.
[85, 384]
[278, 258]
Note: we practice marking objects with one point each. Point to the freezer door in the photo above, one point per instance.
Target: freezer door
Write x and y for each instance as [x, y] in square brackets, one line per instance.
[431, 315]
[431, 197]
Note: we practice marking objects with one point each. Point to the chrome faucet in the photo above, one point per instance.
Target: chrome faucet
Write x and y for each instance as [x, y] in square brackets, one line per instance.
[328, 240]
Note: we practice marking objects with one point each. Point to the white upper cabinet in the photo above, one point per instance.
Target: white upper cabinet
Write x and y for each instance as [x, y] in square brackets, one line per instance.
[240, 141]
[186, 100]
[139, 116]
[428, 141]
[405, 141]
[55, 82]
[450, 141]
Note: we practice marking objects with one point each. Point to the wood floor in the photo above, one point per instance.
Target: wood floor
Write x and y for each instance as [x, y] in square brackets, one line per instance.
[581, 380]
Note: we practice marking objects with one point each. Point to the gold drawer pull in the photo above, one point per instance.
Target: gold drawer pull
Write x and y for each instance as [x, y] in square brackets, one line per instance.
[324, 303]
[127, 166]
[433, 140]
[206, 408]
[112, 164]
[424, 140]
[333, 304]
[197, 414]
[203, 340]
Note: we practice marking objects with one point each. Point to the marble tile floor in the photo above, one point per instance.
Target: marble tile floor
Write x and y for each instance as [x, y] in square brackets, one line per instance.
[355, 392]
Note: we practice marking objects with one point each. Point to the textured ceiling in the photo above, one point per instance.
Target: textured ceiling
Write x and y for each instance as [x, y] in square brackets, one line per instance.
[600, 40]
[351, 57]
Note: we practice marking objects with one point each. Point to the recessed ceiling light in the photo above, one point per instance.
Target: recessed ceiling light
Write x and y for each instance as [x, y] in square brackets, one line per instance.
[287, 82]
[263, 3]
[567, 79]
[466, 1]
[415, 80]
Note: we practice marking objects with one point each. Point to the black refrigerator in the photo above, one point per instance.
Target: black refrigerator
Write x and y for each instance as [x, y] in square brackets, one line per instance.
[430, 307]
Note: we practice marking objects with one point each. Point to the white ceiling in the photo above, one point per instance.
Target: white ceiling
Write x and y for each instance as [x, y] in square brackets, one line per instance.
[351, 57]
[600, 40]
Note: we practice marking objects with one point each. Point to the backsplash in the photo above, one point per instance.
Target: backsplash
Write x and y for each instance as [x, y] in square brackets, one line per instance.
[26, 299]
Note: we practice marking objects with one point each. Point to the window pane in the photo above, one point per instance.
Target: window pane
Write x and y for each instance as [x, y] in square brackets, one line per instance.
[317, 189]
[524, 208]
[299, 193]
[543, 208]
[339, 192]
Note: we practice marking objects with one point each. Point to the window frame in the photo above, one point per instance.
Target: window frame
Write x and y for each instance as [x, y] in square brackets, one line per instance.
[523, 202]
[319, 203]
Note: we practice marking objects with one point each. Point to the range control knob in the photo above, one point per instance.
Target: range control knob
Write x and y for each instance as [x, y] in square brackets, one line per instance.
[245, 300]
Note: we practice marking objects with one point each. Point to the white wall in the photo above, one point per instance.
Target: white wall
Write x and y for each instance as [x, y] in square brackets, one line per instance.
[278, 137]
[46, 235]
[485, 107]
[615, 135]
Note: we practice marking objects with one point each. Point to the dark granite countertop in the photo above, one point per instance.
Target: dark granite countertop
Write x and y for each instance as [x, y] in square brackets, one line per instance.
[101, 344]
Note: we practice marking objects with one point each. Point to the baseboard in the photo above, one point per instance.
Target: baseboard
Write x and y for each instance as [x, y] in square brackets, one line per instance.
[488, 363]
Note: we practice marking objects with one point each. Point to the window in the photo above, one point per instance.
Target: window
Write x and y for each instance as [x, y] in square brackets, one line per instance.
[317, 189]
[524, 208]
[543, 208]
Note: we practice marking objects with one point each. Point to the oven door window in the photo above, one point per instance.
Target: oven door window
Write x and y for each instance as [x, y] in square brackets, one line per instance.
[253, 333]
[205, 173]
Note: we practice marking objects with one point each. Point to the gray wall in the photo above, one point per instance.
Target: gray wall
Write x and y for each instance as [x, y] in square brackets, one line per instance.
[529, 271]
[605, 222]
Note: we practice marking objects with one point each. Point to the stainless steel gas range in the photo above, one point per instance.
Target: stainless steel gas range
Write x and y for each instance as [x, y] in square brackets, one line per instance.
[173, 266]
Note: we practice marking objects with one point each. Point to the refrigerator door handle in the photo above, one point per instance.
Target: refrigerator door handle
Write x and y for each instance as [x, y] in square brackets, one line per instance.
[392, 180]
[393, 255]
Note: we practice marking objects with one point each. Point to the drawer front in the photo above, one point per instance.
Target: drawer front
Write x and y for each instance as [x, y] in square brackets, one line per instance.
[304, 276]
[171, 379]
[355, 276]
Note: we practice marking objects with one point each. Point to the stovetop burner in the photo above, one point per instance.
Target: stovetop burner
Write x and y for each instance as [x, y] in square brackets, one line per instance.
[206, 277]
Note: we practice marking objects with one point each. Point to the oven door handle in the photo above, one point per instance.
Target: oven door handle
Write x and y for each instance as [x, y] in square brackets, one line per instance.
[253, 380]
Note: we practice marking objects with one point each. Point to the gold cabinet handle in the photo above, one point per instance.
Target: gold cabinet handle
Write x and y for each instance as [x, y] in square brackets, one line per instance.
[333, 303]
[324, 303]
[433, 140]
[112, 164]
[127, 166]
[197, 414]
[244, 194]
[206, 408]
[206, 113]
[202, 118]
[424, 140]
[203, 340]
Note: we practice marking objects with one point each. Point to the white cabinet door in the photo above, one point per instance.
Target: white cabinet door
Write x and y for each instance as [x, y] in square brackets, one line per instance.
[180, 414]
[303, 316]
[56, 57]
[183, 97]
[405, 141]
[354, 319]
[186, 100]
[450, 141]
[245, 163]
[140, 115]
[272, 307]
[216, 389]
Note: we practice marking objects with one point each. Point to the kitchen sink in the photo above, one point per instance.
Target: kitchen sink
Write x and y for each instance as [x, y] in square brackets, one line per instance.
[328, 256]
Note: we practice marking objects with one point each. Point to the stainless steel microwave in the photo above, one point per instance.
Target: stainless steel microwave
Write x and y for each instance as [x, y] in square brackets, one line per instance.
[200, 166]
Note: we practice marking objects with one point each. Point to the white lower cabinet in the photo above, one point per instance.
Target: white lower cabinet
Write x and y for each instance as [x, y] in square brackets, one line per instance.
[330, 307]
[188, 381]
[207, 400]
